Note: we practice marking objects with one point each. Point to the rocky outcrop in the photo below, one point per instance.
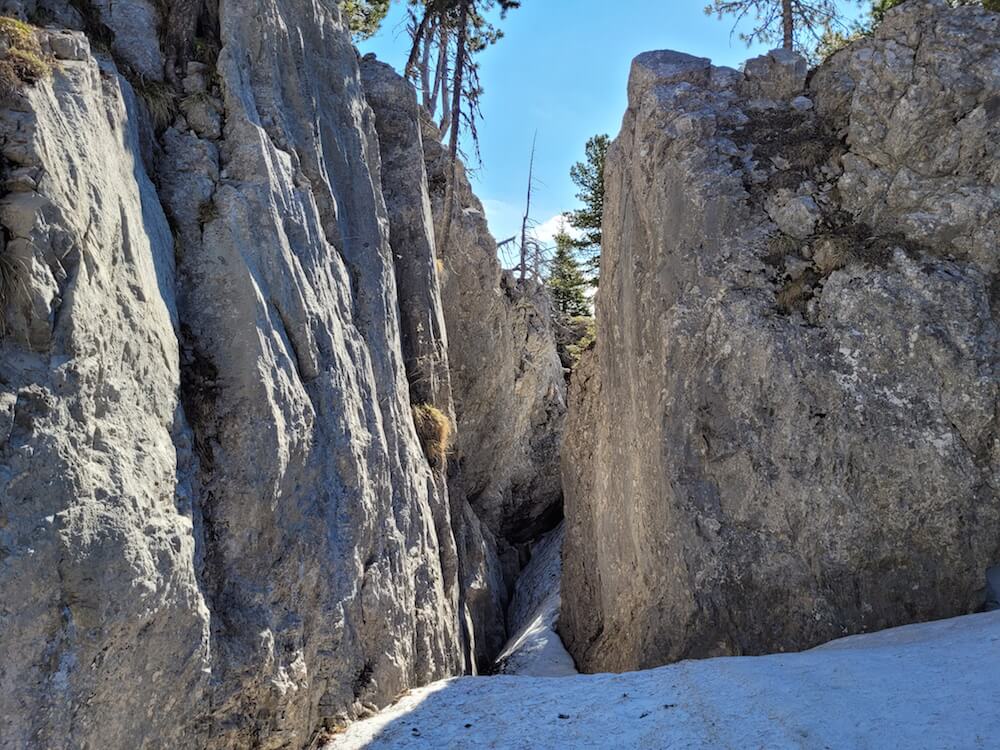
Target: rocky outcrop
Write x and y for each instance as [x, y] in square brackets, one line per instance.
[217, 525]
[496, 370]
[789, 429]
[507, 379]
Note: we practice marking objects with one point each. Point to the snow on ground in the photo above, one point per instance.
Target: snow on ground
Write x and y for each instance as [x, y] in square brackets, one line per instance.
[935, 685]
[535, 649]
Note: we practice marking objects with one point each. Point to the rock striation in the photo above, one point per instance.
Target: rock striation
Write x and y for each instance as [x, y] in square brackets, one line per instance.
[220, 303]
[788, 430]
[501, 378]
[509, 396]
[507, 379]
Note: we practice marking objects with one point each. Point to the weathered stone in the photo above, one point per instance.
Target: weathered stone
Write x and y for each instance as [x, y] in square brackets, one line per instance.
[762, 456]
[98, 528]
[134, 26]
[209, 473]
[499, 346]
[919, 103]
[795, 215]
[506, 375]
[204, 114]
[778, 75]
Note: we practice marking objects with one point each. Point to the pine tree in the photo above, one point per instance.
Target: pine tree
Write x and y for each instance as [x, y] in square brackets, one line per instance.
[471, 32]
[364, 16]
[589, 178]
[566, 283]
[799, 24]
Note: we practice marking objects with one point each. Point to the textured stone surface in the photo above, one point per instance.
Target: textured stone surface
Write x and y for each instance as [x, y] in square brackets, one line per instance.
[500, 345]
[778, 75]
[98, 528]
[483, 590]
[322, 515]
[784, 437]
[217, 526]
[507, 379]
[920, 106]
[131, 24]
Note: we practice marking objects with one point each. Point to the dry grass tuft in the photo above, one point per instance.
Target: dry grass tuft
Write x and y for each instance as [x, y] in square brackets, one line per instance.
[22, 61]
[434, 431]
[17, 33]
[161, 101]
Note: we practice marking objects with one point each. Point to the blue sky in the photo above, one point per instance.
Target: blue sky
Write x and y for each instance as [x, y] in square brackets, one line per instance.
[561, 69]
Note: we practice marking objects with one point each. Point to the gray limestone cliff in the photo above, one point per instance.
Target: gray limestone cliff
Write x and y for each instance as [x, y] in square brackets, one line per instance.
[788, 430]
[510, 399]
[507, 378]
[220, 304]
[479, 347]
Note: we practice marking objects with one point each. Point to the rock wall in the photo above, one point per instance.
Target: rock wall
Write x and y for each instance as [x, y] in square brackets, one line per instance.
[100, 541]
[510, 395]
[479, 346]
[217, 525]
[788, 430]
[221, 300]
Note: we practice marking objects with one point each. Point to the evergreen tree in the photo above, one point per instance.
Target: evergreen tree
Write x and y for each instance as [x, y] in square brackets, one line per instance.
[566, 283]
[589, 178]
[799, 24]
[364, 16]
[464, 24]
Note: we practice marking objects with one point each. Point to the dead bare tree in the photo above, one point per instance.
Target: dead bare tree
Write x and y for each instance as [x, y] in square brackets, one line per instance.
[527, 210]
[524, 251]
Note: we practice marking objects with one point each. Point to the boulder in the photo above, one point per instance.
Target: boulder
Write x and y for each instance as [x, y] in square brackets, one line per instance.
[787, 431]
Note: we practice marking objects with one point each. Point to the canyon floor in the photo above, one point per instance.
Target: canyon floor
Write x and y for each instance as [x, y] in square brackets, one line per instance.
[931, 685]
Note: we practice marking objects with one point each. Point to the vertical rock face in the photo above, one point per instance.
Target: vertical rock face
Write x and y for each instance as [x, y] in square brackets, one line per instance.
[789, 428]
[217, 525]
[496, 370]
[319, 507]
[98, 528]
[506, 375]
[509, 395]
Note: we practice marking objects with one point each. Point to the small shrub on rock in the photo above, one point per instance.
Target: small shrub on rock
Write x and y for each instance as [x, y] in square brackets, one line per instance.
[434, 431]
[21, 58]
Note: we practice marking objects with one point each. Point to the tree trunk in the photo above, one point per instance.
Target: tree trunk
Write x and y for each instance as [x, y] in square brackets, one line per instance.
[523, 270]
[441, 74]
[445, 123]
[787, 24]
[425, 64]
[418, 37]
[456, 120]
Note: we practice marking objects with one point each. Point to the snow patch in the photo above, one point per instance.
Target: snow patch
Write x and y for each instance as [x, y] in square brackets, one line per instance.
[925, 686]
